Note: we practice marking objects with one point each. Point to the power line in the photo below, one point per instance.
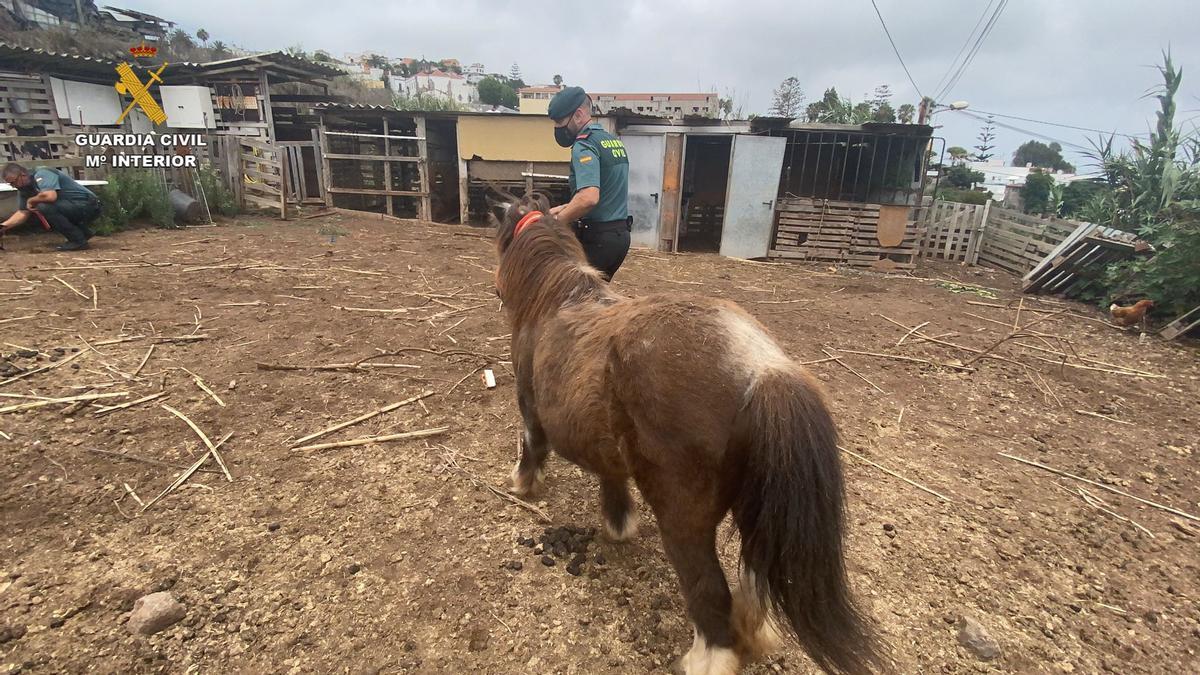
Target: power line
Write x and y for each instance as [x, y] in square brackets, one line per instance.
[963, 48]
[973, 52]
[1026, 131]
[1056, 124]
[897, 51]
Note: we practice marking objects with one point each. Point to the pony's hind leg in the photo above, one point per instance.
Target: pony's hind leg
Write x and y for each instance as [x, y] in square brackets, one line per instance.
[527, 475]
[753, 627]
[617, 510]
[688, 516]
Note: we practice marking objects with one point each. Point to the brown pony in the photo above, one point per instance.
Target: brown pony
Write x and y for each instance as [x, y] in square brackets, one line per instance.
[693, 400]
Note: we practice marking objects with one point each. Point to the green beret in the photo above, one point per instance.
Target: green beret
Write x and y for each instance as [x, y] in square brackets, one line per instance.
[566, 102]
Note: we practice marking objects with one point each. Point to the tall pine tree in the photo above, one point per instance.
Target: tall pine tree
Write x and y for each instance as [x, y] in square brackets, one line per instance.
[983, 150]
[788, 99]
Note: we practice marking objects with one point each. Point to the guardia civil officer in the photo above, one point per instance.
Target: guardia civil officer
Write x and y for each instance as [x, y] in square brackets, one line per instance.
[599, 206]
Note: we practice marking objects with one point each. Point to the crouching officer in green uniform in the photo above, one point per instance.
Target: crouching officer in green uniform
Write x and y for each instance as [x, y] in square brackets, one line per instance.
[599, 206]
[56, 200]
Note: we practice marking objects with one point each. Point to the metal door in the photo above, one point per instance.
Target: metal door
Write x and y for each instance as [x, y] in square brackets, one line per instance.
[750, 199]
[645, 186]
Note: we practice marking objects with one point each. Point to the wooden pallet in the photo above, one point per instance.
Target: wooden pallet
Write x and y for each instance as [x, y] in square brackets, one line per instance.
[1181, 325]
[830, 231]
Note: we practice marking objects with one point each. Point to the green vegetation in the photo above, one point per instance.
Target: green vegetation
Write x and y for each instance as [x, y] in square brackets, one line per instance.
[964, 196]
[220, 199]
[495, 92]
[1037, 192]
[1042, 156]
[130, 195]
[1153, 190]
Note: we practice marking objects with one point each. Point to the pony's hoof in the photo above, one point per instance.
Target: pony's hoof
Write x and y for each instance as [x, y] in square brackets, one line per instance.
[526, 487]
[624, 531]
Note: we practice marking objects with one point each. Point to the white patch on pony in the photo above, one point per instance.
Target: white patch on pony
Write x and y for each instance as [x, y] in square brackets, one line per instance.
[753, 627]
[705, 660]
[751, 350]
[627, 530]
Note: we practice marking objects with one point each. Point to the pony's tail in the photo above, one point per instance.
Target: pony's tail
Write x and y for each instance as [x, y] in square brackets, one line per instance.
[790, 515]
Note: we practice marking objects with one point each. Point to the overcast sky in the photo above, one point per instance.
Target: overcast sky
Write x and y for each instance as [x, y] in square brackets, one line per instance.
[1086, 63]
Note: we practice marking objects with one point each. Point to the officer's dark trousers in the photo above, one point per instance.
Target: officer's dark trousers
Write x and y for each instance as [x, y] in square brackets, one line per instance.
[70, 217]
[605, 244]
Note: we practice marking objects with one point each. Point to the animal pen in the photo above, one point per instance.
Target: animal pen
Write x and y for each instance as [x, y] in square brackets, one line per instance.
[850, 194]
[388, 161]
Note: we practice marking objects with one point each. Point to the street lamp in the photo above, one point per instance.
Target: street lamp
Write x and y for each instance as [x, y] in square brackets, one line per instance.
[929, 109]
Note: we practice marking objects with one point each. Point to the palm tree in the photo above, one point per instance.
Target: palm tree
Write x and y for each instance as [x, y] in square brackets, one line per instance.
[202, 35]
[219, 48]
[558, 80]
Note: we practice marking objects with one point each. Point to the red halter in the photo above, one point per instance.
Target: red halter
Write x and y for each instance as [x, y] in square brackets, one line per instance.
[525, 221]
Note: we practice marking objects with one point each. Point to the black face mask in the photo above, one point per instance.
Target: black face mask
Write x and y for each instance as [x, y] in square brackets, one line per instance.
[564, 136]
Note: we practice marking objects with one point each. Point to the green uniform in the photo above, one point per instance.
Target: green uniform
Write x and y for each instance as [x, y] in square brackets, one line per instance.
[598, 160]
[53, 179]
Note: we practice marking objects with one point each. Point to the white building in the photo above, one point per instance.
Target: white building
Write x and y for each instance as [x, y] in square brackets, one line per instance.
[997, 177]
[442, 84]
[475, 73]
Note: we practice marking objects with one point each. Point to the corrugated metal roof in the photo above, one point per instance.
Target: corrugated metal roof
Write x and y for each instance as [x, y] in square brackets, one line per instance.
[66, 63]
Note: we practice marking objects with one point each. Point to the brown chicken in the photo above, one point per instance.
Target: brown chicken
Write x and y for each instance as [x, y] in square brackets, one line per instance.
[1130, 316]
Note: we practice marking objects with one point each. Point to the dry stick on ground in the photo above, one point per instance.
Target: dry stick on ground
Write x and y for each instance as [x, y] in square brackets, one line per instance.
[333, 366]
[188, 473]
[856, 373]
[18, 318]
[809, 363]
[211, 448]
[361, 418]
[910, 332]
[464, 379]
[1085, 359]
[1040, 311]
[952, 344]
[1104, 417]
[896, 475]
[117, 341]
[1097, 503]
[479, 482]
[129, 491]
[113, 408]
[143, 460]
[1017, 319]
[180, 338]
[144, 360]
[1102, 486]
[897, 357]
[373, 439]
[1012, 334]
[487, 358]
[68, 399]
[73, 289]
[96, 305]
[200, 383]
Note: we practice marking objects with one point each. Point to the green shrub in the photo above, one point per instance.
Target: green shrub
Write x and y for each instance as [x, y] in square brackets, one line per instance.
[130, 195]
[964, 196]
[220, 198]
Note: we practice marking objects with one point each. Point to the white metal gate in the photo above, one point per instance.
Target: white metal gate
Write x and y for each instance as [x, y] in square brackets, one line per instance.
[750, 199]
[645, 186]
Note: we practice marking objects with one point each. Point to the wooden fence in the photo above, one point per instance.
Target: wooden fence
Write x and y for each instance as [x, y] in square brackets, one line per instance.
[256, 172]
[953, 231]
[994, 236]
[1017, 242]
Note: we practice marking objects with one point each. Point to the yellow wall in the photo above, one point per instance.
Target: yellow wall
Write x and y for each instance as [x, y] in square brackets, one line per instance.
[534, 106]
[509, 138]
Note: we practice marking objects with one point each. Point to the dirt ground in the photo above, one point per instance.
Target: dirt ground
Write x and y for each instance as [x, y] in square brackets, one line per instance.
[397, 557]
